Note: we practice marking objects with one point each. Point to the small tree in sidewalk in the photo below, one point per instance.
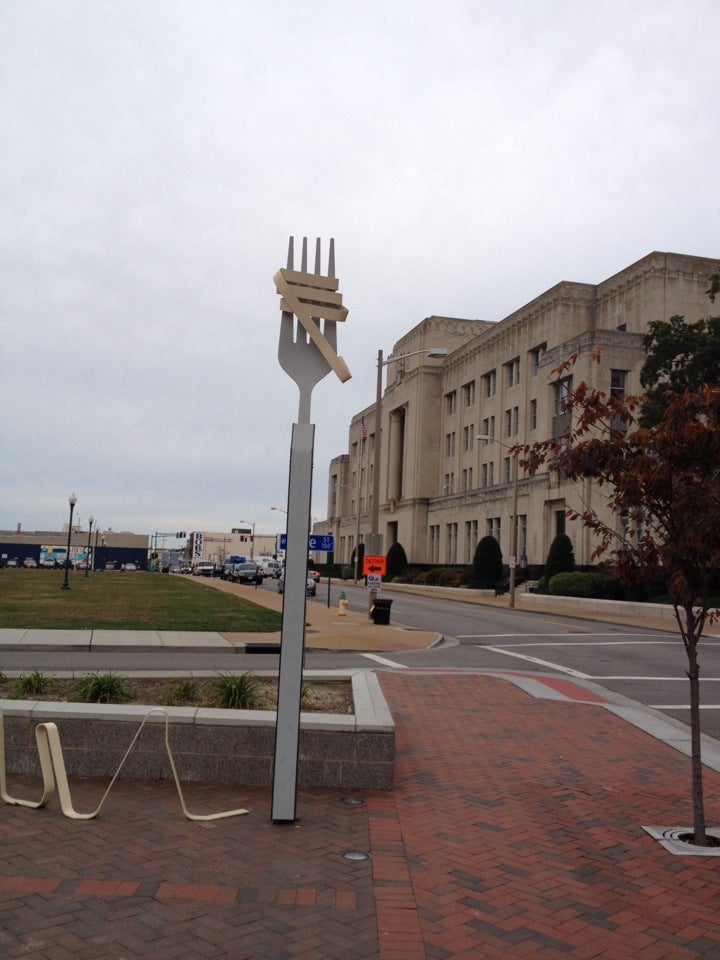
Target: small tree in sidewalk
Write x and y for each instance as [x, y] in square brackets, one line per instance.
[663, 489]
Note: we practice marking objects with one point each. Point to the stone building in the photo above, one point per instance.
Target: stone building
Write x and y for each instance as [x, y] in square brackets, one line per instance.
[441, 489]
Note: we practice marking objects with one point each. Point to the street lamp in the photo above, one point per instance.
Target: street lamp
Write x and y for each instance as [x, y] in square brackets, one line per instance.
[94, 553]
[72, 500]
[252, 541]
[91, 521]
[280, 509]
[513, 558]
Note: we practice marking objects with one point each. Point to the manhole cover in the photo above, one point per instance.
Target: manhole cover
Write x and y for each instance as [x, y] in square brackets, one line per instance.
[353, 801]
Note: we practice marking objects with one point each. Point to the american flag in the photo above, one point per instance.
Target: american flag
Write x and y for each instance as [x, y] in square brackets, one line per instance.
[363, 430]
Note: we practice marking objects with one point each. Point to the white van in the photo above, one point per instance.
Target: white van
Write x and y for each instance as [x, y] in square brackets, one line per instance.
[271, 568]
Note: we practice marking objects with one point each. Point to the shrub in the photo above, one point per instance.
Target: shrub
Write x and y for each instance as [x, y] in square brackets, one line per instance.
[103, 688]
[182, 691]
[452, 578]
[33, 684]
[487, 563]
[422, 577]
[231, 691]
[560, 558]
[577, 584]
[396, 560]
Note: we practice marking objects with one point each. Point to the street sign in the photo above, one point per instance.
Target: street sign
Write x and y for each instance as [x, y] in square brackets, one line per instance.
[374, 565]
[374, 582]
[320, 544]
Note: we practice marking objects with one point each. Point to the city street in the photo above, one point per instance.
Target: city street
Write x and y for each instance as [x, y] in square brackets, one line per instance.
[644, 665]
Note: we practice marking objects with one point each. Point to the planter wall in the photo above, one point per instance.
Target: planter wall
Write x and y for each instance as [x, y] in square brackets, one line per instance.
[353, 751]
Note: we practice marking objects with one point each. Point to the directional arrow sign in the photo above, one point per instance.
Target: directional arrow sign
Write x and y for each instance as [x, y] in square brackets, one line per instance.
[376, 565]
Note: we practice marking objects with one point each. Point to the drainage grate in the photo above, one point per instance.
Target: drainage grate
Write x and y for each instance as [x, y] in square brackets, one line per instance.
[677, 840]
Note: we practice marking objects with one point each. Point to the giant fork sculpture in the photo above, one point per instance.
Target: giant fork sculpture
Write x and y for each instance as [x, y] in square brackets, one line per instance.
[306, 354]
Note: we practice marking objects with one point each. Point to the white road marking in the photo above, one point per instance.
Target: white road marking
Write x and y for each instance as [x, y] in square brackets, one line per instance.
[541, 663]
[384, 662]
[681, 706]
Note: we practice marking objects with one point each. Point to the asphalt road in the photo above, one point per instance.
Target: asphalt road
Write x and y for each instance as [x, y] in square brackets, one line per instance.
[644, 665]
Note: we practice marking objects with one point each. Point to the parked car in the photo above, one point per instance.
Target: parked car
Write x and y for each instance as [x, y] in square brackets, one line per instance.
[30, 562]
[129, 566]
[12, 562]
[315, 574]
[248, 572]
[272, 568]
[204, 568]
[311, 585]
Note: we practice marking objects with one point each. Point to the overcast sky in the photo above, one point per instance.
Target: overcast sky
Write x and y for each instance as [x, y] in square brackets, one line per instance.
[155, 156]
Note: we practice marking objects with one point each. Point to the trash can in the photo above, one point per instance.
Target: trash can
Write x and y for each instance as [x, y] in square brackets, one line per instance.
[380, 612]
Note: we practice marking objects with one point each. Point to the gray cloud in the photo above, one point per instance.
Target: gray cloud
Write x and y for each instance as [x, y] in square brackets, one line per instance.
[154, 159]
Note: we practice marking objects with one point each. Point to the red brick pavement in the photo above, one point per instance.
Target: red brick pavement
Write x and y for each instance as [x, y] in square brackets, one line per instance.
[519, 821]
[514, 831]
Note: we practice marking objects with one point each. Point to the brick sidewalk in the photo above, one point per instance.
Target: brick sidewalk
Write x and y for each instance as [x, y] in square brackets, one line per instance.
[514, 831]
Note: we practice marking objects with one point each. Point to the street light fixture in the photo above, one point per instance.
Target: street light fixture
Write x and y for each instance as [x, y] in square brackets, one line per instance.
[252, 540]
[97, 532]
[72, 500]
[513, 558]
[280, 509]
[91, 521]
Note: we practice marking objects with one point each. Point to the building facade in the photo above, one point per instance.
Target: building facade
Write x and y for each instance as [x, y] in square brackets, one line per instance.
[440, 488]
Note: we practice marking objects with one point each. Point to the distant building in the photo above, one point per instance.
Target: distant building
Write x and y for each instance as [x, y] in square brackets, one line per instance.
[441, 490]
[49, 547]
[217, 547]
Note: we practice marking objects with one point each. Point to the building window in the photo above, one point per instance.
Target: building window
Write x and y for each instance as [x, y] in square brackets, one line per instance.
[561, 415]
[468, 437]
[618, 383]
[512, 422]
[489, 384]
[450, 444]
[435, 544]
[533, 415]
[451, 531]
[522, 540]
[449, 483]
[536, 357]
[507, 469]
[468, 393]
[471, 540]
[488, 427]
[493, 528]
[467, 478]
[488, 474]
[450, 403]
[559, 523]
[512, 372]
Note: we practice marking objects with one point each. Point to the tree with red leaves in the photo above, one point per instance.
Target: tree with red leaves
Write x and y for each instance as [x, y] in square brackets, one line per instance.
[662, 488]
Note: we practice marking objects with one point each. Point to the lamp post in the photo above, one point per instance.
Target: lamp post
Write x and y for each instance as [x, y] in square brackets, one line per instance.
[513, 558]
[91, 521]
[94, 553]
[72, 500]
[252, 540]
[277, 545]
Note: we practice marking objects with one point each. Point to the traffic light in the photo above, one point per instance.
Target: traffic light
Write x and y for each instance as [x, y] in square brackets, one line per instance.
[181, 535]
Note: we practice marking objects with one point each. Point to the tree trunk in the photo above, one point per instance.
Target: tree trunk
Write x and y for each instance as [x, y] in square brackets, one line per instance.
[699, 836]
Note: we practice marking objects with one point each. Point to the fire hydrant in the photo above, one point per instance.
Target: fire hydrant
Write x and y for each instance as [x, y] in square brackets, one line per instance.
[342, 604]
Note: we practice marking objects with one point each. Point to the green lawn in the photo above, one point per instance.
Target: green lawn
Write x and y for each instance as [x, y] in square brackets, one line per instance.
[125, 601]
